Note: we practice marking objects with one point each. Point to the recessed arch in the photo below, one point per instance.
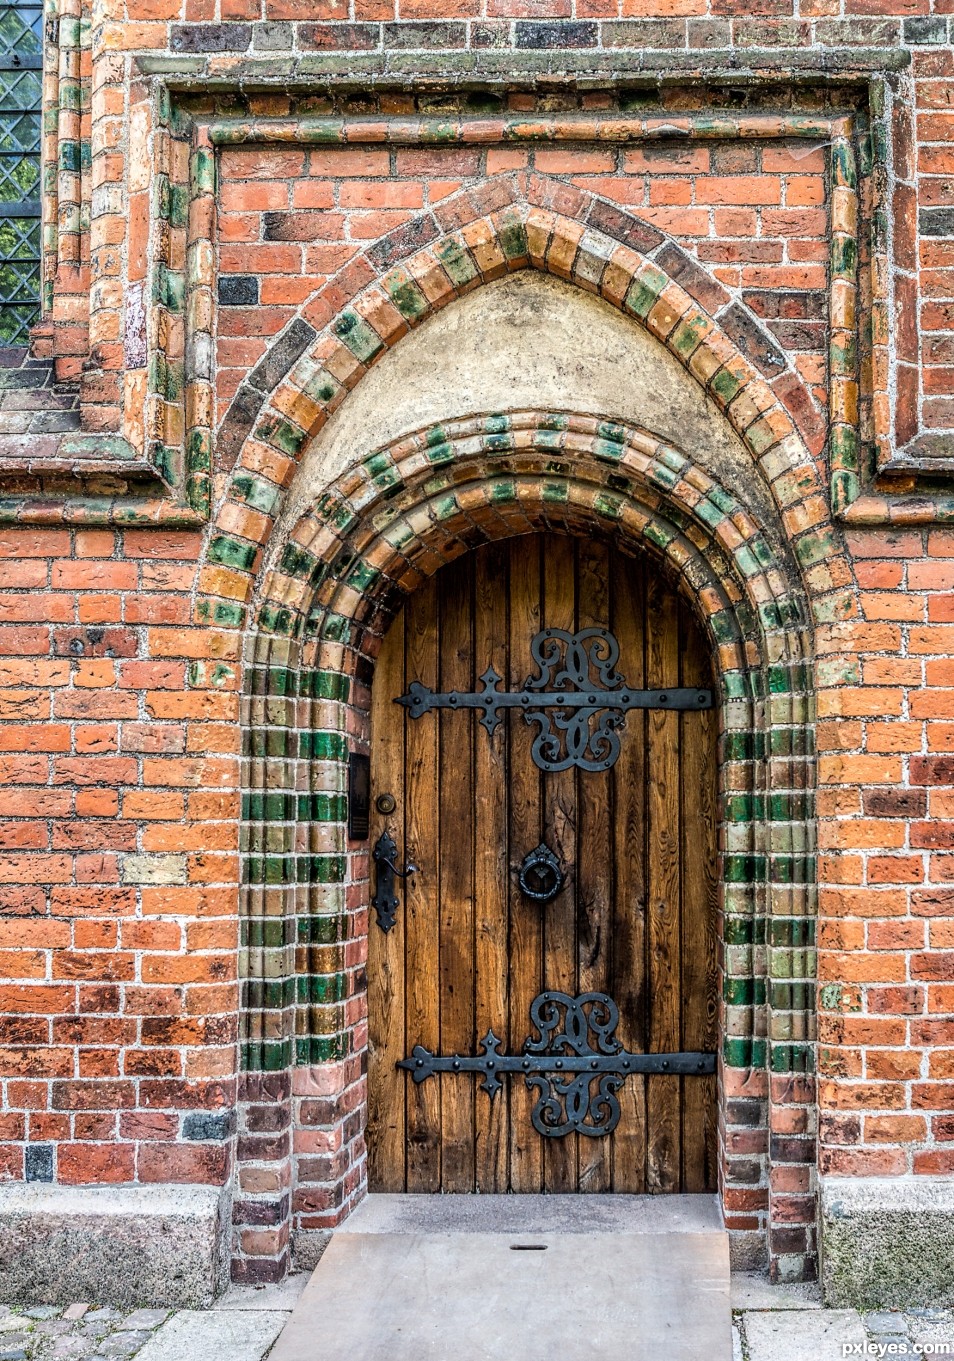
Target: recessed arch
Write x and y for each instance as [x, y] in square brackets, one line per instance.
[322, 608]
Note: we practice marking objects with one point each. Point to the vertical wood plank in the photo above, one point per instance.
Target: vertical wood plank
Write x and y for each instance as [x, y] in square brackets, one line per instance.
[662, 670]
[422, 893]
[594, 850]
[628, 982]
[492, 1153]
[386, 1039]
[526, 936]
[699, 862]
[559, 832]
[456, 820]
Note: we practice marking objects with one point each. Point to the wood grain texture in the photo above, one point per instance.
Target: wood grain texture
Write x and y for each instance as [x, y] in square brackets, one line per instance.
[636, 919]
[491, 872]
[387, 1042]
[422, 915]
[526, 828]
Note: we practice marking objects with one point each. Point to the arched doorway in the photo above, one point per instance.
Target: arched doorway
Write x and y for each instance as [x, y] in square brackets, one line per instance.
[473, 950]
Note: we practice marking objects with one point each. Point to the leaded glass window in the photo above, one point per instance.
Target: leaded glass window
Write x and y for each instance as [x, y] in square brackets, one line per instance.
[21, 73]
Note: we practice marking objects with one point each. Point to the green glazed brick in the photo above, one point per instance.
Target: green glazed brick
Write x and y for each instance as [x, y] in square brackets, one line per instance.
[281, 435]
[256, 492]
[512, 238]
[457, 262]
[843, 170]
[278, 619]
[793, 1058]
[744, 807]
[794, 932]
[746, 561]
[227, 613]
[688, 336]
[336, 628]
[739, 1052]
[362, 575]
[168, 288]
[379, 463]
[328, 807]
[644, 291]
[321, 869]
[202, 171]
[326, 988]
[726, 386]
[326, 1048]
[178, 210]
[321, 387]
[743, 992]
[231, 552]
[361, 339]
[792, 996]
[663, 477]
[322, 929]
[297, 562]
[406, 296]
[326, 685]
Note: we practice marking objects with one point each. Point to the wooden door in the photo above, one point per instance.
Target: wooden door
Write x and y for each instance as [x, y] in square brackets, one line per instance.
[470, 951]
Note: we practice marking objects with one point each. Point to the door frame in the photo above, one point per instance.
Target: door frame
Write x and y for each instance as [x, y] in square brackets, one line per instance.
[308, 685]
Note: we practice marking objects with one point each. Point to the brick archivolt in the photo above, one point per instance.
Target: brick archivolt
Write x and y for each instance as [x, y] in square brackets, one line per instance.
[269, 433]
[372, 537]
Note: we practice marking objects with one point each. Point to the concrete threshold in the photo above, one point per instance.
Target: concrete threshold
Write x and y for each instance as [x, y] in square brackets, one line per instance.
[518, 1278]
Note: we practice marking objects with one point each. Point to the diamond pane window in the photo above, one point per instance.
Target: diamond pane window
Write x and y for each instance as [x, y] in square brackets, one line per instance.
[21, 62]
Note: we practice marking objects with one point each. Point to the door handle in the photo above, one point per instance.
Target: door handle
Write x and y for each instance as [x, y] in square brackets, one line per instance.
[385, 902]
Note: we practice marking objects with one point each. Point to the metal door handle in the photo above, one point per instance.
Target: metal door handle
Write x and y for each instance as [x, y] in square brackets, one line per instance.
[385, 902]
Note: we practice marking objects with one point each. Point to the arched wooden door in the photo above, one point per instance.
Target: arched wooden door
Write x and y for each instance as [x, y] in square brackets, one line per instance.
[470, 951]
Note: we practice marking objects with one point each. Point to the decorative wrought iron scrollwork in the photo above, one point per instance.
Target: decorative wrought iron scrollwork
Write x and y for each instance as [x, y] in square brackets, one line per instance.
[575, 1064]
[578, 699]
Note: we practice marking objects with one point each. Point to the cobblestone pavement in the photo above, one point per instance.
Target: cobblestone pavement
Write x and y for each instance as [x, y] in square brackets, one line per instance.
[78, 1332]
[770, 1323]
[788, 1323]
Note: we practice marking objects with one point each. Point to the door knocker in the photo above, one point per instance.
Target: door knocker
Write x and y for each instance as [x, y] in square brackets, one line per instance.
[541, 875]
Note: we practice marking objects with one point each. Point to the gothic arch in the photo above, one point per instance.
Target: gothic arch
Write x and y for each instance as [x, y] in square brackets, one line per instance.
[344, 331]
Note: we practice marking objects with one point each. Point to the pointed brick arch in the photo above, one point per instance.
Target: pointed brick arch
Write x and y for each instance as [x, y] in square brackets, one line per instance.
[344, 331]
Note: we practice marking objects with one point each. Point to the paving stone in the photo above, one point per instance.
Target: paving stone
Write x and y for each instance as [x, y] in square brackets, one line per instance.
[12, 1323]
[191, 1334]
[736, 1343]
[885, 1323]
[69, 1347]
[17, 1355]
[52, 1327]
[802, 1335]
[144, 1318]
[284, 1295]
[752, 1290]
[75, 1311]
[933, 1331]
[43, 1311]
[124, 1343]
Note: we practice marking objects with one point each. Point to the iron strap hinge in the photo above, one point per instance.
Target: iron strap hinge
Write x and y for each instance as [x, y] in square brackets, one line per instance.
[576, 1078]
[422, 1063]
[577, 717]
